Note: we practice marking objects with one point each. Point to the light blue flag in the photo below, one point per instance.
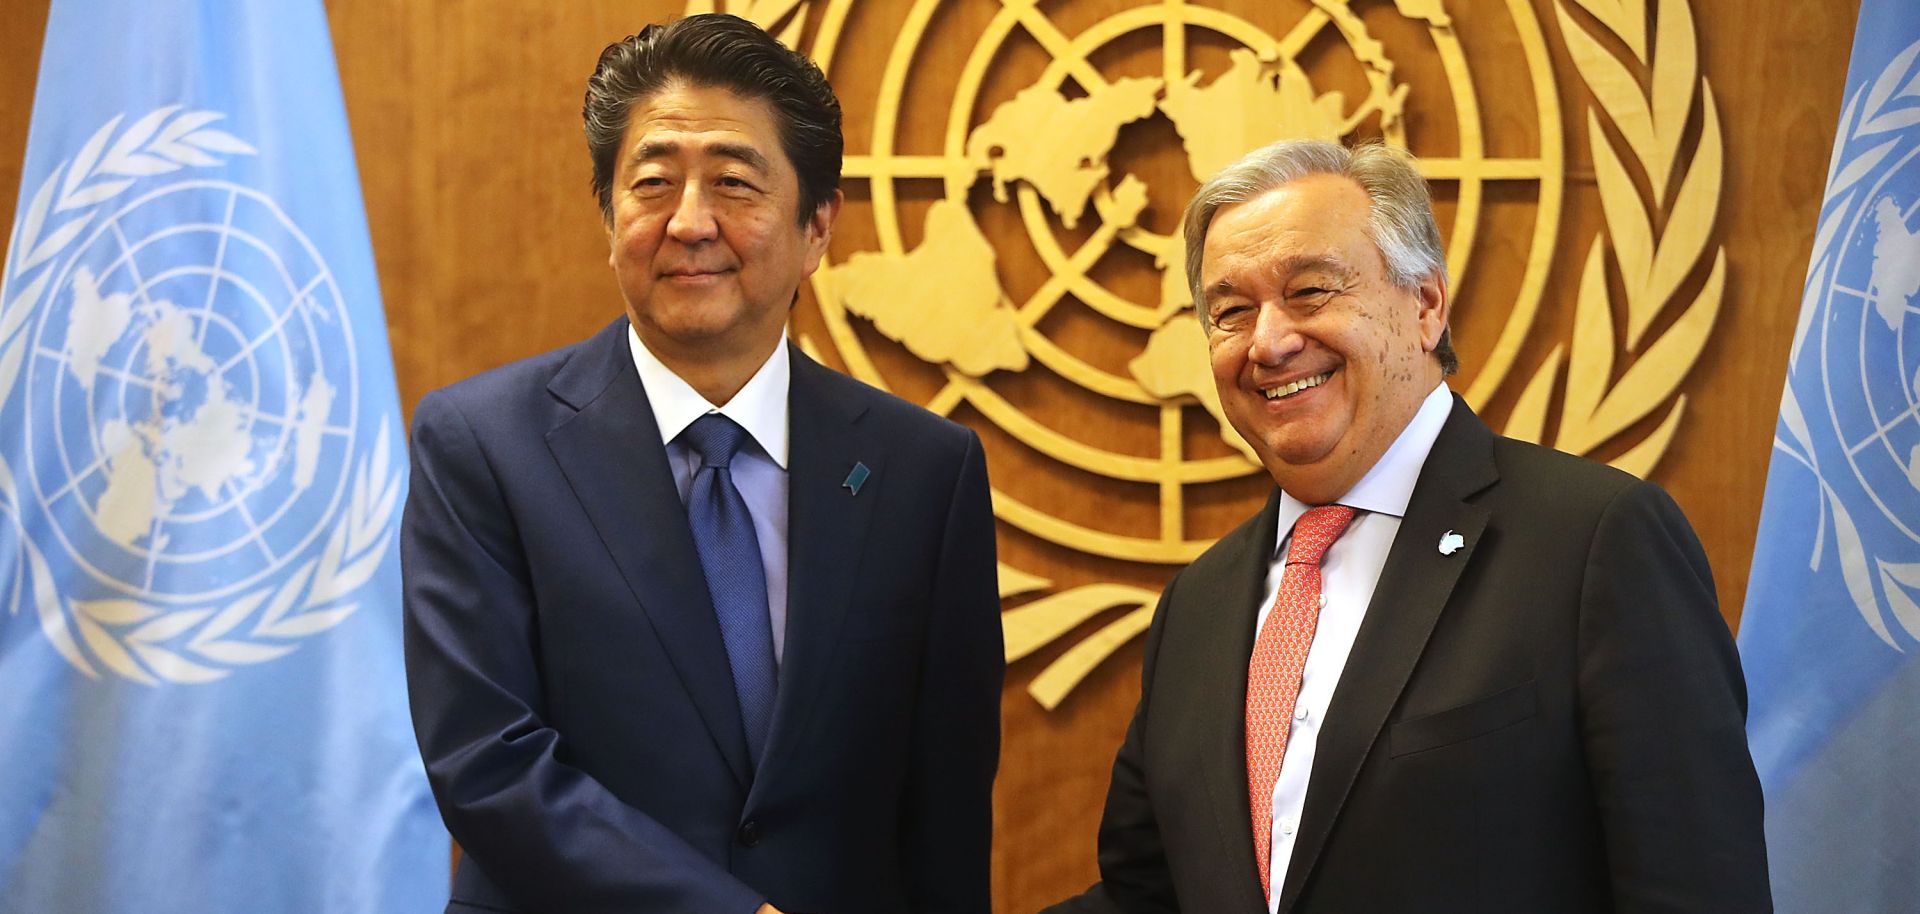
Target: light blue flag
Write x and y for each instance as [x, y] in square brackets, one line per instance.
[202, 706]
[1831, 632]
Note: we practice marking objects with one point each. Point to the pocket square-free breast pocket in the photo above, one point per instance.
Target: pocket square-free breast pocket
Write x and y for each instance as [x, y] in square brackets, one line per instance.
[1475, 718]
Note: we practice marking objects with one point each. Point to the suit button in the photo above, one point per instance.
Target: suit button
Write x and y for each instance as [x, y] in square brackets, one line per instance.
[749, 833]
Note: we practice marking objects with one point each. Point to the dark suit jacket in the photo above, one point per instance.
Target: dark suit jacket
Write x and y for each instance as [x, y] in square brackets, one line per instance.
[1550, 719]
[571, 693]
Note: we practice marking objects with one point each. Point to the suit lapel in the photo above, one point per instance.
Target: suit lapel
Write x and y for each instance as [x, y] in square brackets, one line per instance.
[611, 454]
[1223, 658]
[1414, 587]
[826, 530]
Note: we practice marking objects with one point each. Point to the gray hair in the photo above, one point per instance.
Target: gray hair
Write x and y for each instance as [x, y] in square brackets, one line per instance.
[1401, 221]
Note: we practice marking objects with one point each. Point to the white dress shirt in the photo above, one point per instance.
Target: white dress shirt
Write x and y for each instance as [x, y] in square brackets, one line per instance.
[759, 472]
[1348, 572]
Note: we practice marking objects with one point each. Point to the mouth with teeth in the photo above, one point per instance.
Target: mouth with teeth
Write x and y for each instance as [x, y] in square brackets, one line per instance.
[1289, 389]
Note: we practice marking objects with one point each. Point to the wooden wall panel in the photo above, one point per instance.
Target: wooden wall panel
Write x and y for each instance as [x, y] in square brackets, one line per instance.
[1779, 69]
[489, 246]
[19, 68]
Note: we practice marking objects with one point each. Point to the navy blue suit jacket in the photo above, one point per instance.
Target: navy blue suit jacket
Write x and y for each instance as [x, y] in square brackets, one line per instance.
[571, 693]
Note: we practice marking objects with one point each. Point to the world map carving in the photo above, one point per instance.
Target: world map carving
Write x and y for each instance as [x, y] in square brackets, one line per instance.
[1059, 146]
[1008, 235]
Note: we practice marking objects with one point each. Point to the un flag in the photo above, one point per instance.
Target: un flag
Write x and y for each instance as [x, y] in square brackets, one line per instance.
[1831, 633]
[202, 707]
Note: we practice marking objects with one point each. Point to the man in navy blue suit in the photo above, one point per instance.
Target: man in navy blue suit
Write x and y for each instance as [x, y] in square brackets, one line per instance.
[694, 623]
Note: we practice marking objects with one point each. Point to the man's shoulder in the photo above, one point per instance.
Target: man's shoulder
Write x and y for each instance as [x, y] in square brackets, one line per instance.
[900, 417]
[1557, 480]
[1549, 494]
[509, 389]
[1471, 460]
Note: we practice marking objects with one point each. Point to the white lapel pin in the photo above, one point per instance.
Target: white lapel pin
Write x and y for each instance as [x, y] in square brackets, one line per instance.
[1451, 542]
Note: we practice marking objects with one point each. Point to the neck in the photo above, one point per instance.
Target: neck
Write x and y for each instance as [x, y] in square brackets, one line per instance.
[1320, 484]
[715, 376]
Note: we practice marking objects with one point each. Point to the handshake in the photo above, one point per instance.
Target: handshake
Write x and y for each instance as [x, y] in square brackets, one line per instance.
[694, 623]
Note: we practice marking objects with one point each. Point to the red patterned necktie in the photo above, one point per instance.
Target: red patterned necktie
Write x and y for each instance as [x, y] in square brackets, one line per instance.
[1273, 675]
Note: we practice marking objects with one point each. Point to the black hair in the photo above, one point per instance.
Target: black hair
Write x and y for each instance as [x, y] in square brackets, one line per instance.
[717, 50]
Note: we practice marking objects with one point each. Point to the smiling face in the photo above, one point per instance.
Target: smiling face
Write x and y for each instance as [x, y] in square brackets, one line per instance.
[702, 235]
[1320, 359]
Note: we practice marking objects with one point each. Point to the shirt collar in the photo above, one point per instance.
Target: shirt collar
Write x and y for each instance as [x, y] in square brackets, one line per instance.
[760, 407]
[1388, 486]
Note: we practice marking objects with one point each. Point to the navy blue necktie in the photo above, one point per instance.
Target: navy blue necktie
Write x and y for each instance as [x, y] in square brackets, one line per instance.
[730, 557]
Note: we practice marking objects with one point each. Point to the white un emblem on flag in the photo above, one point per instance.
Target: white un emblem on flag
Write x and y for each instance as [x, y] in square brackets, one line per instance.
[1853, 392]
[194, 495]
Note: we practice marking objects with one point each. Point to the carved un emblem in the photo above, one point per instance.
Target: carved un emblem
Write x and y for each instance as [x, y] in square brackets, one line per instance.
[1023, 233]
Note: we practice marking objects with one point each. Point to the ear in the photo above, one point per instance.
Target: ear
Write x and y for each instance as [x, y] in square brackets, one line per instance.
[613, 255]
[1435, 307]
[819, 231]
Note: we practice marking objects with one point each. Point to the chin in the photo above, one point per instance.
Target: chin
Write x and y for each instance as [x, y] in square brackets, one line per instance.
[1294, 446]
[696, 320]
[1295, 457]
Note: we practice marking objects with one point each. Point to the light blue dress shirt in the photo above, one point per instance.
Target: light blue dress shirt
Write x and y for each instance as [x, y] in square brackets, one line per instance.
[759, 471]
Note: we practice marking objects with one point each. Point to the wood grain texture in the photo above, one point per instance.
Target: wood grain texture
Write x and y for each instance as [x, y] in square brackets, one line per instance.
[19, 71]
[490, 248]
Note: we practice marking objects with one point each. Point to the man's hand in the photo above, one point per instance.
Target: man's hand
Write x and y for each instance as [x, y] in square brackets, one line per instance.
[768, 909]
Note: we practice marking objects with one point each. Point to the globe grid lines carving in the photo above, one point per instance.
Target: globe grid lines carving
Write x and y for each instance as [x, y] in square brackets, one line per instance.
[137, 636]
[1471, 168]
[1604, 395]
[1043, 350]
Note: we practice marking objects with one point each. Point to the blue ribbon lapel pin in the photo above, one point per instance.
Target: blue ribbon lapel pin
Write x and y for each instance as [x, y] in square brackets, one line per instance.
[856, 478]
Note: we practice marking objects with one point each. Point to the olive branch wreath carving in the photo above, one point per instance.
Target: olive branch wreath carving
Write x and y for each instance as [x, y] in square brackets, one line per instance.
[1618, 372]
[1654, 248]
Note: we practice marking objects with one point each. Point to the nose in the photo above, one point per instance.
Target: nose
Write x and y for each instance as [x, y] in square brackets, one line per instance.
[692, 220]
[1276, 337]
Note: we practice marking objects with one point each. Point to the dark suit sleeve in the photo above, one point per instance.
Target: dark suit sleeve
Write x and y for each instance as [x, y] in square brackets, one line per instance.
[1134, 878]
[551, 837]
[948, 827]
[1663, 711]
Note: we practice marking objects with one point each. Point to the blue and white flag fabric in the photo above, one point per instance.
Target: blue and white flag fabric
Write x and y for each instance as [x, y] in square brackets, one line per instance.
[1831, 632]
[202, 704]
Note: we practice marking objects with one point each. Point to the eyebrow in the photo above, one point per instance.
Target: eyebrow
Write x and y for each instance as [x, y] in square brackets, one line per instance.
[1300, 263]
[1296, 263]
[660, 149]
[1285, 267]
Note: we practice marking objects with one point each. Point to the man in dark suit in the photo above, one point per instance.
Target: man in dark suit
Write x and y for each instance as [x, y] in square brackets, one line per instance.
[1441, 670]
[693, 623]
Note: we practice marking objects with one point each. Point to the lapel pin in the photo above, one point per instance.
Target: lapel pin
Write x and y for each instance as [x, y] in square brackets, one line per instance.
[857, 477]
[1451, 543]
